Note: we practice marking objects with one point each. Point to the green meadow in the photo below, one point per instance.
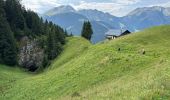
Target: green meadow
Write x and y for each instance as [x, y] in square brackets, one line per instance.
[133, 67]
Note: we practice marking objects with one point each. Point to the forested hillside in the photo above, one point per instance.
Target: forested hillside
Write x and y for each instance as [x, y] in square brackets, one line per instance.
[24, 36]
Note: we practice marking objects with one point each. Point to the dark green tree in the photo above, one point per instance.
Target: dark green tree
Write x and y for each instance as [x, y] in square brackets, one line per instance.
[34, 23]
[8, 52]
[59, 39]
[55, 40]
[87, 30]
[14, 13]
[16, 22]
[59, 34]
[50, 44]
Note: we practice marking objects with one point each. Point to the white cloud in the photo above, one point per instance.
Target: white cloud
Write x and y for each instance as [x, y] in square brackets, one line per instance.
[117, 9]
[167, 4]
[39, 5]
[114, 7]
[126, 2]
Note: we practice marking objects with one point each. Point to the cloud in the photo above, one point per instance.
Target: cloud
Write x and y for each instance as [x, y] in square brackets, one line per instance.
[167, 4]
[118, 8]
[111, 6]
[126, 2]
[40, 5]
[114, 7]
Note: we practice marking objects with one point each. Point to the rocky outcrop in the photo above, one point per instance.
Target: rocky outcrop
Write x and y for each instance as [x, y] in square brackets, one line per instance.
[31, 56]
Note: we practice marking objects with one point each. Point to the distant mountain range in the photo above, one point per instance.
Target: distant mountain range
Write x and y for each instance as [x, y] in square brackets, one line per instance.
[141, 18]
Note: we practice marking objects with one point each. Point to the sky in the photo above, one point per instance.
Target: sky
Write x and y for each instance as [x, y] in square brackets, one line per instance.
[114, 7]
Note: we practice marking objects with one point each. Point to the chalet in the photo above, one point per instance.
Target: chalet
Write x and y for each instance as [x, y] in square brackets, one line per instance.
[125, 33]
[113, 34]
[111, 37]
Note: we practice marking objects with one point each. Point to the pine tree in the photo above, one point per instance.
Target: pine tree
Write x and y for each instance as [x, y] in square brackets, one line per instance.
[8, 52]
[46, 27]
[16, 22]
[59, 34]
[87, 30]
[59, 39]
[15, 17]
[14, 13]
[50, 44]
[54, 41]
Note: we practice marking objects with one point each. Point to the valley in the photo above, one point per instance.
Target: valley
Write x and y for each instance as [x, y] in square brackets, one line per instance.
[114, 70]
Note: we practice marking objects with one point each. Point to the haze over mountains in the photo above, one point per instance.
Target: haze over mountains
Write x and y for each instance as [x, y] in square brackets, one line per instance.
[141, 18]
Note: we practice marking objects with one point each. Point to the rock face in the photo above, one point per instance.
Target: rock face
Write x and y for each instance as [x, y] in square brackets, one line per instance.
[31, 56]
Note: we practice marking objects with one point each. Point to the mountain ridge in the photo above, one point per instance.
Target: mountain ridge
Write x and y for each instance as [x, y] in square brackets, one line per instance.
[136, 20]
[60, 10]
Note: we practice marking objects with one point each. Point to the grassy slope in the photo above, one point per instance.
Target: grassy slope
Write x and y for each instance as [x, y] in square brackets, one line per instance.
[101, 71]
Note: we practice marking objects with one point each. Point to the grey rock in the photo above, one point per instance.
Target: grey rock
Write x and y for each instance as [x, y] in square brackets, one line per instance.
[31, 56]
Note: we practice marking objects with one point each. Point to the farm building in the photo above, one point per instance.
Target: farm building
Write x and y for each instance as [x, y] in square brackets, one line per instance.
[113, 34]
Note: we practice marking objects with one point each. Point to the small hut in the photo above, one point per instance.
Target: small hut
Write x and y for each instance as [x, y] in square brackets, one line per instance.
[111, 37]
[125, 33]
[113, 34]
